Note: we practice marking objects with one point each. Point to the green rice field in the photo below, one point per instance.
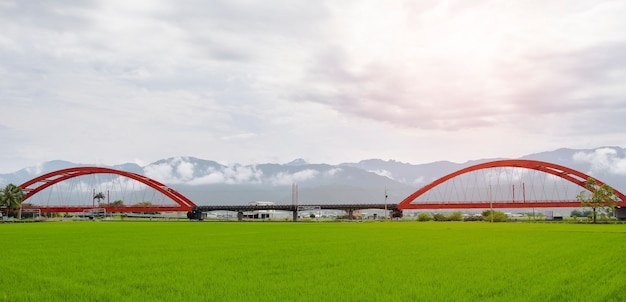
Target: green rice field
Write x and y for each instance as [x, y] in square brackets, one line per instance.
[285, 261]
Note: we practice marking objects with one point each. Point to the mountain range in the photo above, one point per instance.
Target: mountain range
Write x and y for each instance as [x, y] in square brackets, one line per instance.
[208, 182]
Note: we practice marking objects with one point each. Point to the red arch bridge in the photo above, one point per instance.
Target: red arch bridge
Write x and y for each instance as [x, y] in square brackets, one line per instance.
[502, 184]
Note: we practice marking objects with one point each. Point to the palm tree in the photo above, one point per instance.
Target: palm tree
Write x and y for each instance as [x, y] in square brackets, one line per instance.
[99, 197]
[11, 197]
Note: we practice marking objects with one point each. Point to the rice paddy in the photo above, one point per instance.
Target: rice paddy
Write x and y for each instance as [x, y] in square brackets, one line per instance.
[264, 261]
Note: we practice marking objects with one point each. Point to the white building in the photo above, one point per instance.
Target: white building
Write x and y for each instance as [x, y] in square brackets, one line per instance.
[261, 214]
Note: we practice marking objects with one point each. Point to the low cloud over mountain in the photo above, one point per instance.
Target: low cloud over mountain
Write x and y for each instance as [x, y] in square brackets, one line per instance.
[209, 182]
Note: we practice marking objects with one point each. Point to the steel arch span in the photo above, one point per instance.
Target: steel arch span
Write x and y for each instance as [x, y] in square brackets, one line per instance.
[44, 181]
[563, 172]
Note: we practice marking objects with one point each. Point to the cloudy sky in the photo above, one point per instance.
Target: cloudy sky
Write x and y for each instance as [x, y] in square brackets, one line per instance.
[110, 81]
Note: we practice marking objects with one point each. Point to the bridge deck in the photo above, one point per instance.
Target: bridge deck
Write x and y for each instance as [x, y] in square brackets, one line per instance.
[289, 207]
[125, 209]
[284, 207]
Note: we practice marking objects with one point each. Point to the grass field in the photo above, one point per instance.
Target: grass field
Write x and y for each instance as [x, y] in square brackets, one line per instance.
[383, 261]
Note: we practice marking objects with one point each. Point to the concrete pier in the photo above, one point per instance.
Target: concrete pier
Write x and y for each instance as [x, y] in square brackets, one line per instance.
[295, 215]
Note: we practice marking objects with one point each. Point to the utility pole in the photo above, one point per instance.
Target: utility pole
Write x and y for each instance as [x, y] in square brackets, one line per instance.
[490, 204]
[294, 200]
[386, 212]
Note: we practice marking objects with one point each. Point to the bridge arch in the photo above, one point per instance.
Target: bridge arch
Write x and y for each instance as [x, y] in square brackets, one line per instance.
[44, 181]
[563, 172]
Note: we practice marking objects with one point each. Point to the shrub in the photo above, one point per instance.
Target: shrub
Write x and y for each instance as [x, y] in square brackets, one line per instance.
[455, 216]
[473, 218]
[581, 214]
[497, 216]
[440, 217]
[424, 217]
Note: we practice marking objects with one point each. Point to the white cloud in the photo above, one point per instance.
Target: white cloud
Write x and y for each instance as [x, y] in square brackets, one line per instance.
[330, 81]
[603, 160]
[284, 178]
[185, 170]
[175, 171]
[384, 173]
[332, 172]
[419, 181]
[35, 170]
[456, 66]
[213, 177]
[180, 171]
[162, 172]
[509, 175]
[238, 174]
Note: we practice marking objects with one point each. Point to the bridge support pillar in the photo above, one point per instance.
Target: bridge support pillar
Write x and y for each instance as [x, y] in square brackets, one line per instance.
[239, 216]
[350, 214]
[620, 213]
[295, 215]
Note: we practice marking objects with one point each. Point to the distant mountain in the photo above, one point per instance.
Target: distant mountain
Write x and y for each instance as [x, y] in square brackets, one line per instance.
[366, 181]
[297, 162]
[413, 175]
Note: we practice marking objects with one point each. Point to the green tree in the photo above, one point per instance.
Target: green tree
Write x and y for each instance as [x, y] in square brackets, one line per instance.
[117, 203]
[597, 197]
[145, 204]
[100, 196]
[11, 197]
